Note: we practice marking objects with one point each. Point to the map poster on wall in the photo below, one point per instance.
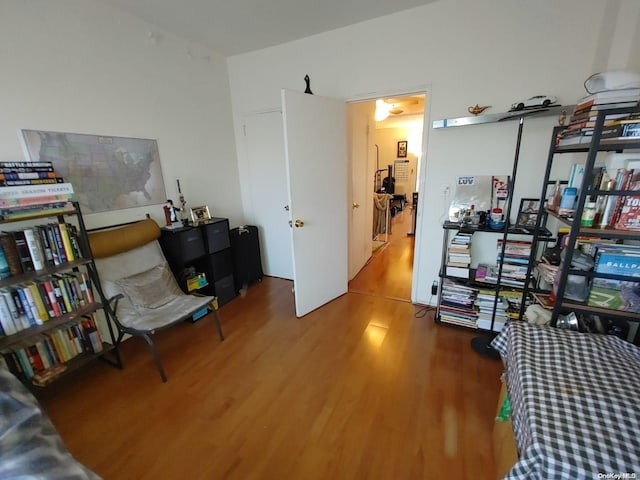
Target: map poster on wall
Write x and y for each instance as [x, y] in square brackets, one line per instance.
[107, 173]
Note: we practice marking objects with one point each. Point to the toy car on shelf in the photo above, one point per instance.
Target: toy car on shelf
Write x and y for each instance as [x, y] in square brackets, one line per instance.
[534, 102]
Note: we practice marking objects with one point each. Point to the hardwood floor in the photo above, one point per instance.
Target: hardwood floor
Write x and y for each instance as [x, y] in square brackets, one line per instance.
[388, 273]
[358, 389]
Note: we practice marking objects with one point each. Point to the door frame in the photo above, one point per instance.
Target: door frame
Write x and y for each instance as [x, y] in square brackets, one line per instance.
[422, 176]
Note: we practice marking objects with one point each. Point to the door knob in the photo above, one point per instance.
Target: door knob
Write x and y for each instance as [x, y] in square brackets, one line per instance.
[286, 207]
[299, 224]
[355, 205]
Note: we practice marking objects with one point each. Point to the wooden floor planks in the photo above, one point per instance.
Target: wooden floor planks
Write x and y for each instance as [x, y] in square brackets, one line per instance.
[358, 389]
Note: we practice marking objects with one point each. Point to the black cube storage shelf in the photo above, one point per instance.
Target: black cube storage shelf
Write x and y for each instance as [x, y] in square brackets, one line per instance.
[207, 249]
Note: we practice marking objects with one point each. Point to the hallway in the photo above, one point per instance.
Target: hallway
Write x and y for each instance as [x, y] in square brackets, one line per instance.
[389, 272]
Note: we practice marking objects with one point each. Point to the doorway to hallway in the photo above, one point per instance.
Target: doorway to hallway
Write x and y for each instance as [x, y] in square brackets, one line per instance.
[395, 154]
[389, 271]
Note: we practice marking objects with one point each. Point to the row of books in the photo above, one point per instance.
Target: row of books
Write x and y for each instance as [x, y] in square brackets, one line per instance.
[511, 275]
[620, 212]
[513, 271]
[29, 304]
[485, 302]
[27, 173]
[41, 358]
[28, 187]
[38, 247]
[616, 293]
[457, 304]
[616, 126]
[459, 255]
[474, 307]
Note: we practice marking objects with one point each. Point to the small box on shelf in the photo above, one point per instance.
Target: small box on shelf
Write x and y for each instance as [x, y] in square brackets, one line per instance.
[196, 282]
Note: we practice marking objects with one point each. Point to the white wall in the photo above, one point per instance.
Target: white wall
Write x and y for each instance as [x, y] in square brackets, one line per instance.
[81, 66]
[388, 143]
[462, 52]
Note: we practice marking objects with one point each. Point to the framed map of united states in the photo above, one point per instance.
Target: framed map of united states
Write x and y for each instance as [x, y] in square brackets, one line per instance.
[107, 173]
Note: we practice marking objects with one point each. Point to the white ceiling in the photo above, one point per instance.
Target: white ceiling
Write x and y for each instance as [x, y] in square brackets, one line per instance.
[231, 27]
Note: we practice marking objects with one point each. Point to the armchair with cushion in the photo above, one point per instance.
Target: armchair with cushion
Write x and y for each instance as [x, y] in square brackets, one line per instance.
[138, 283]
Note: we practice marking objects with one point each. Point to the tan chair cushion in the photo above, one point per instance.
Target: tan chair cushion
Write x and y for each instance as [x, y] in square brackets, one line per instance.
[117, 240]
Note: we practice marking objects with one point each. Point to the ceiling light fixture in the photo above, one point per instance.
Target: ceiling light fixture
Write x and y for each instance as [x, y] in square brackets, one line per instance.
[382, 110]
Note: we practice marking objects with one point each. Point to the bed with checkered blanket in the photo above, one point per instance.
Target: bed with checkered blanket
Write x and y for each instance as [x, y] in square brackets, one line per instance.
[575, 402]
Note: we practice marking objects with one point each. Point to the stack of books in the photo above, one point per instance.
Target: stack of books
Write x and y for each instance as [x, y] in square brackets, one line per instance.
[459, 256]
[485, 302]
[457, 304]
[616, 127]
[514, 264]
[29, 188]
[547, 271]
[513, 300]
[616, 294]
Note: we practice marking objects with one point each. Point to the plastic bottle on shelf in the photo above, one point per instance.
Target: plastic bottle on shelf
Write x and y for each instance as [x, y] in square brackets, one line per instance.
[475, 217]
[588, 214]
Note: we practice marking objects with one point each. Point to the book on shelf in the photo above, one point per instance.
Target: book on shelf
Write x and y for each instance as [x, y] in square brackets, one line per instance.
[5, 272]
[455, 271]
[34, 175]
[7, 322]
[35, 249]
[616, 294]
[22, 248]
[26, 167]
[31, 191]
[608, 97]
[8, 243]
[629, 218]
[24, 212]
[32, 181]
[66, 241]
[24, 202]
[485, 324]
[17, 314]
[459, 256]
[576, 176]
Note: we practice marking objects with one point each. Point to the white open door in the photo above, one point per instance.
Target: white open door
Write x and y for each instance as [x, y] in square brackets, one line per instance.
[360, 204]
[316, 156]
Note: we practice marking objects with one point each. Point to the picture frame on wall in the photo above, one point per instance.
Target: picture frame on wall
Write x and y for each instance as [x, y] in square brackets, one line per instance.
[528, 212]
[402, 149]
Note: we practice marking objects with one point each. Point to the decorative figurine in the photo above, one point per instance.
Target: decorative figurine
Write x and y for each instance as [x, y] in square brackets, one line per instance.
[171, 215]
[184, 217]
[477, 109]
[307, 80]
[563, 118]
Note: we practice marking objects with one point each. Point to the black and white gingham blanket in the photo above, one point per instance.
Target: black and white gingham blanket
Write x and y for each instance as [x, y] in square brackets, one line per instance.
[30, 447]
[575, 403]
